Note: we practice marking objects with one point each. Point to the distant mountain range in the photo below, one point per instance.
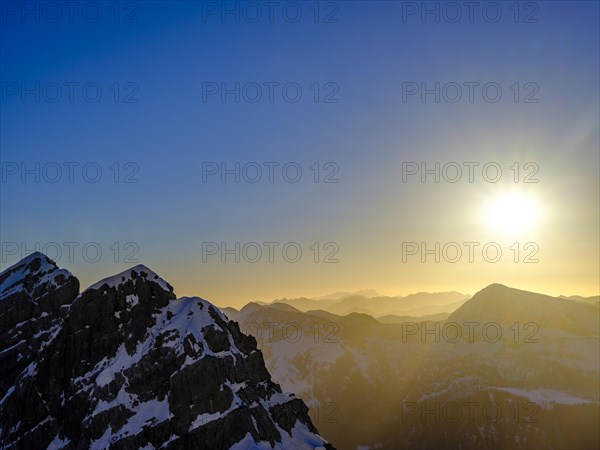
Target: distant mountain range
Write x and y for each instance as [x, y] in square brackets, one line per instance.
[415, 305]
[578, 298]
[342, 294]
[127, 365]
[506, 369]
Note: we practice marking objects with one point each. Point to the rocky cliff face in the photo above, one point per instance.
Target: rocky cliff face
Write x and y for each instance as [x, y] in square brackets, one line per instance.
[127, 365]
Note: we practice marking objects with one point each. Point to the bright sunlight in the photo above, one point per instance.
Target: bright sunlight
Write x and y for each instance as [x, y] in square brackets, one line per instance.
[512, 213]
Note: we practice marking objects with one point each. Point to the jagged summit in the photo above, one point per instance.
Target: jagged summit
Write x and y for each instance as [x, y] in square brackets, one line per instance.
[32, 272]
[132, 274]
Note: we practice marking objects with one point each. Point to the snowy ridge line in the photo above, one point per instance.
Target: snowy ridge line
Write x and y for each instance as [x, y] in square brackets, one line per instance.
[185, 324]
[28, 260]
[184, 320]
[115, 280]
[15, 274]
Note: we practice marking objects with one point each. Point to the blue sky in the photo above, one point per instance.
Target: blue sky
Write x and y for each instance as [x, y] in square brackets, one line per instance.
[170, 51]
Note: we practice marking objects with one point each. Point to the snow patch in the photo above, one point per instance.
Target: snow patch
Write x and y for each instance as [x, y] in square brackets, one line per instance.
[58, 443]
[301, 438]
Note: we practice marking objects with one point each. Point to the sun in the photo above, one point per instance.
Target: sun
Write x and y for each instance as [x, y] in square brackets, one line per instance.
[512, 213]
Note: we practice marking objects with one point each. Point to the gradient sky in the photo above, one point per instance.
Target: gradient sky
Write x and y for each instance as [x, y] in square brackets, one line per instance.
[171, 50]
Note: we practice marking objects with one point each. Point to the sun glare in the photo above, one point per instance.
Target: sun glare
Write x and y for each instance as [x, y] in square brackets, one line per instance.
[513, 213]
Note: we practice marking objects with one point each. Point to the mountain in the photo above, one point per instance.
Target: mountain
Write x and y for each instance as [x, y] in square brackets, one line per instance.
[302, 303]
[594, 300]
[415, 305]
[418, 384]
[127, 365]
[368, 293]
[506, 305]
[420, 304]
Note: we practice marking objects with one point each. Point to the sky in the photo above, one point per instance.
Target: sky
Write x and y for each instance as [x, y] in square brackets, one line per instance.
[134, 132]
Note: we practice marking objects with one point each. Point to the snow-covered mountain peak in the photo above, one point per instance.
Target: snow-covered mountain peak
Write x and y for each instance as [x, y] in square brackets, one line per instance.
[139, 271]
[35, 271]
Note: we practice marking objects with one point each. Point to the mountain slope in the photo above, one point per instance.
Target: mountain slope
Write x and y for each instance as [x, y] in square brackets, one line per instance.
[130, 366]
[505, 305]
